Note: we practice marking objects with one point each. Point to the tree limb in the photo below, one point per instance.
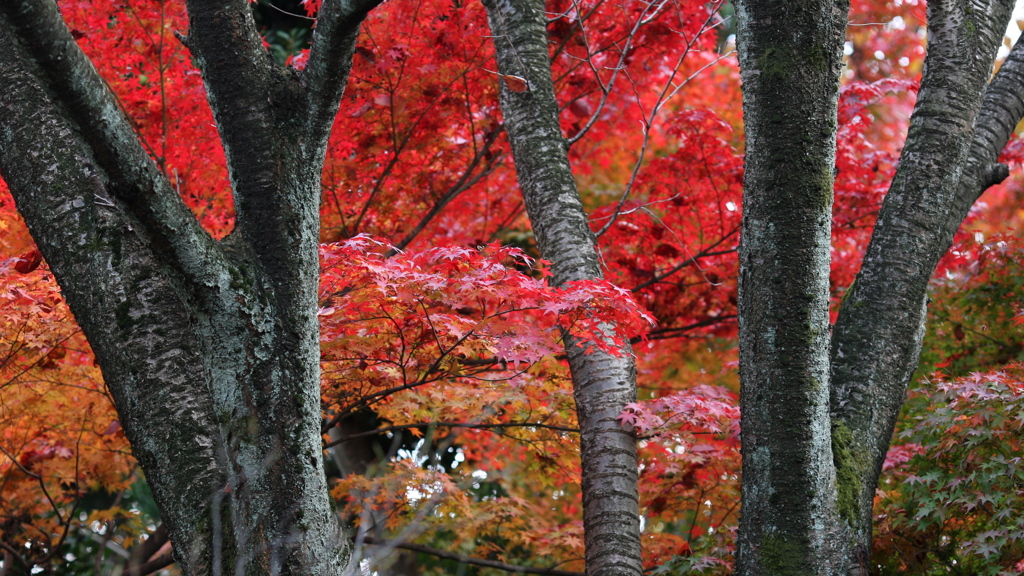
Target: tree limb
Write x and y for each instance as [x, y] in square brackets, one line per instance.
[133, 180]
[258, 107]
[160, 562]
[330, 61]
[127, 300]
[13, 555]
[480, 426]
[141, 554]
[1001, 110]
[877, 337]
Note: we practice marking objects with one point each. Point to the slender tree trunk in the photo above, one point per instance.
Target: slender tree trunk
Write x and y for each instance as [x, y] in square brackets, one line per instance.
[790, 77]
[209, 348]
[603, 383]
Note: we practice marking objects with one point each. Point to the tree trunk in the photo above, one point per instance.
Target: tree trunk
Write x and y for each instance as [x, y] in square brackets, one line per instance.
[603, 383]
[820, 493]
[209, 348]
[877, 337]
[790, 55]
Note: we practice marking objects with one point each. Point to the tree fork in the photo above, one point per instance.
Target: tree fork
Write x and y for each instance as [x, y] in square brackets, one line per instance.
[949, 158]
[221, 334]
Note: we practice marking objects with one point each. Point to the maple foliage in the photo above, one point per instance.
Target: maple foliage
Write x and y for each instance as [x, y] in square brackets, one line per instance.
[953, 499]
[950, 490]
[976, 316]
[61, 436]
[436, 319]
[453, 334]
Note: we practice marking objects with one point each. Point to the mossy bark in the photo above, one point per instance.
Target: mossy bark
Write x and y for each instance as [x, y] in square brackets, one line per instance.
[603, 383]
[790, 78]
[809, 474]
[946, 163]
[209, 348]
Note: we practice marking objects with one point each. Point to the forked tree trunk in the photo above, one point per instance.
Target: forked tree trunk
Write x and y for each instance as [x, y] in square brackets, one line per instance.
[810, 470]
[603, 383]
[209, 348]
[877, 337]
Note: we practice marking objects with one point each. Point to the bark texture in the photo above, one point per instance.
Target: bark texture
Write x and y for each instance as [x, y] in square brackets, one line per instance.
[877, 337]
[603, 383]
[809, 475]
[209, 348]
[790, 76]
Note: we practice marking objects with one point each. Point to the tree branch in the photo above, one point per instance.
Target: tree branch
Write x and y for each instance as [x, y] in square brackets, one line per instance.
[666, 333]
[125, 297]
[258, 106]
[386, 429]
[229, 51]
[706, 253]
[330, 61]
[14, 555]
[465, 182]
[1001, 110]
[162, 561]
[469, 559]
[134, 180]
[877, 338]
[145, 551]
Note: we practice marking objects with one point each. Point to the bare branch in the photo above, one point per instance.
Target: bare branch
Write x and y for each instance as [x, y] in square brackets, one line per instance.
[666, 333]
[1001, 110]
[160, 562]
[14, 555]
[475, 426]
[668, 91]
[465, 182]
[694, 260]
[142, 553]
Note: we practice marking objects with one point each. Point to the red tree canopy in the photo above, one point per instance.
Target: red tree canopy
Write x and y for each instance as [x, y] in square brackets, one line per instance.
[440, 339]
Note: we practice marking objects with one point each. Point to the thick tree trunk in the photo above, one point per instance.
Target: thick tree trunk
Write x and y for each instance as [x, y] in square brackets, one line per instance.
[790, 55]
[603, 383]
[210, 349]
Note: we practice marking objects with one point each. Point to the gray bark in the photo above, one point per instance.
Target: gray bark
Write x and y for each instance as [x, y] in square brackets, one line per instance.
[790, 55]
[603, 383]
[949, 159]
[209, 349]
[877, 337]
